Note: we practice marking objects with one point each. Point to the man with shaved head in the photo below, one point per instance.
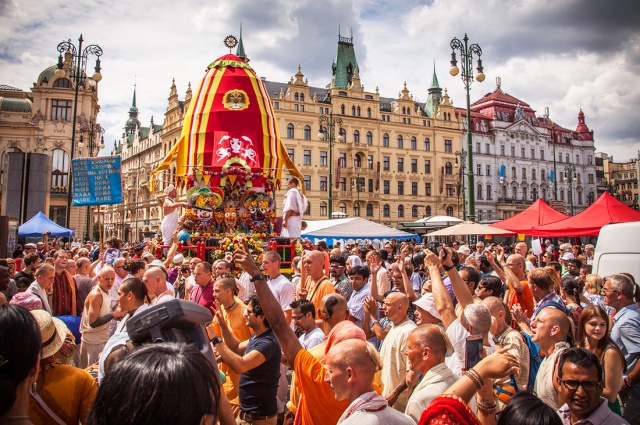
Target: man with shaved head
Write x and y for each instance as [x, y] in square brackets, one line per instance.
[507, 337]
[394, 359]
[156, 280]
[350, 367]
[550, 329]
[523, 250]
[426, 350]
[317, 284]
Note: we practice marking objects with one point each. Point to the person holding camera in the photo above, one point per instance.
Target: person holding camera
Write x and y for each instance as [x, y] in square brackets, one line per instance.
[475, 319]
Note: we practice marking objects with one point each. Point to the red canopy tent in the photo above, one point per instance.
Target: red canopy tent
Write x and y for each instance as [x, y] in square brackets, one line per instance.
[605, 210]
[538, 214]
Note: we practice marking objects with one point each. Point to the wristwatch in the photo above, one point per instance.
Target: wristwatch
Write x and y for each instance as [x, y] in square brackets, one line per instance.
[216, 340]
[259, 276]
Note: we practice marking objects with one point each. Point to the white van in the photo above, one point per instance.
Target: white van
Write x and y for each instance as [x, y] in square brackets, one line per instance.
[618, 250]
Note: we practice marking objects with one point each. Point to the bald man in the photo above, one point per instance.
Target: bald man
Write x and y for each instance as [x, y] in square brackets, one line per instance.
[96, 317]
[550, 329]
[507, 337]
[394, 359]
[317, 284]
[350, 367]
[523, 250]
[426, 350]
[155, 279]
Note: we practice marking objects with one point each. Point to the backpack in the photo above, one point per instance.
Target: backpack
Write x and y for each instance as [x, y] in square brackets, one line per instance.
[504, 393]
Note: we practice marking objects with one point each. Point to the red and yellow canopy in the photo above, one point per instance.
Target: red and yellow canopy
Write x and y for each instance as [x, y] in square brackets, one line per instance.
[229, 127]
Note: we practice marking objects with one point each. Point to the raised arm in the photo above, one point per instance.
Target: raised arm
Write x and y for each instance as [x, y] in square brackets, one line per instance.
[505, 274]
[172, 251]
[460, 290]
[406, 281]
[440, 294]
[375, 291]
[273, 311]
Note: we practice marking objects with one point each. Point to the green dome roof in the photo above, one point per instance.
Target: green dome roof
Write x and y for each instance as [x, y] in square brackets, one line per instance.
[47, 73]
[15, 105]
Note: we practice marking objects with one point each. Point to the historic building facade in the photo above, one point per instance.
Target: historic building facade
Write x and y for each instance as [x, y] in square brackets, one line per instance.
[513, 157]
[35, 145]
[621, 178]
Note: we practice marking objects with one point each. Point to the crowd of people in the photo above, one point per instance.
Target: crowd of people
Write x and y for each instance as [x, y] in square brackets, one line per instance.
[407, 334]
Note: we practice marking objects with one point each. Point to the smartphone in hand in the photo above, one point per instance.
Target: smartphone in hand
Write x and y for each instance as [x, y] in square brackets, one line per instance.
[473, 351]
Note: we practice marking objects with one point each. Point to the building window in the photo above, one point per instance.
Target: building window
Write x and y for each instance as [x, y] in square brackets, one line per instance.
[427, 189]
[567, 156]
[276, 105]
[386, 211]
[343, 184]
[356, 136]
[59, 168]
[524, 193]
[414, 143]
[386, 187]
[370, 162]
[291, 153]
[447, 146]
[343, 159]
[502, 150]
[513, 151]
[385, 140]
[414, 211]
[542, 175]
[487, 149]
[343, 133]
[400, 211]
[590, 177]
[400, 188]
[385, 163]
[356, 207]
[448, 168]
[342, 109]
[489, 194]
[427, 144]
[479, 191]
[488, 170]
[61, 110]
[290, 132]
[63, 83]
[369, 210]
[400, 142]
[414, 165]
[414, 188]
[522, 154]
[427, 166]
[323, 158]
[323, 183]
[353, 111]
[533, 174]
[307, 157]
[478, 169]
[533, 153]
[369, 138]
[400, 164]
[368, 112]
[427, 211]
[307, 132]
[342, 208]
[449, 190]
[370, 184]
[542, 154]
[357, 160]
[307, 182]
[449, 211]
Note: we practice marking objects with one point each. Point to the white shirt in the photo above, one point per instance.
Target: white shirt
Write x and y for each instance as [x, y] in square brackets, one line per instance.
[311, 339]
[394, 361]
[283, 290]
[458, 336]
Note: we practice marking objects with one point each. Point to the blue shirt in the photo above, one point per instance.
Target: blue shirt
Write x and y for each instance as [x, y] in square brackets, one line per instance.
[356, 303]
[258, 387]
[626, 334]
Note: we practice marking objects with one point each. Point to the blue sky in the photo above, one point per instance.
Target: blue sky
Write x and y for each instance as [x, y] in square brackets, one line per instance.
[561, 54]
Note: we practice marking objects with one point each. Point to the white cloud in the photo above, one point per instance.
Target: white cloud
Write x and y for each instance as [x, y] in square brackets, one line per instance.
[564, 55]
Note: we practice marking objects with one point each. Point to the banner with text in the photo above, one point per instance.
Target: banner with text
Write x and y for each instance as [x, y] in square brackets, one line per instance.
[96, 181]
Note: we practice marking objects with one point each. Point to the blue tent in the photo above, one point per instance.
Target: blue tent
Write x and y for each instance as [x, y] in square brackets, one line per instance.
[39, 224]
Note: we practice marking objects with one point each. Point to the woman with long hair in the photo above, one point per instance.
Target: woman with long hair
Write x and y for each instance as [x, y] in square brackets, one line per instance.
[594, 329]
[570, 292]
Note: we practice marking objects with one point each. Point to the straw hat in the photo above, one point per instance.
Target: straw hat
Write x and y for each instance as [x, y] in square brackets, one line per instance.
[53, 331]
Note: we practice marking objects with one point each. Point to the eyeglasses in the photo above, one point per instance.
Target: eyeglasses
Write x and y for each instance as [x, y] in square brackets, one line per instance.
[588, 386]
[605, 291]
[296, 318]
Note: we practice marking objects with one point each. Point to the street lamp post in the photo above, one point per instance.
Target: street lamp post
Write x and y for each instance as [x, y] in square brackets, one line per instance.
[553, 137]
[78, 75]
[570, 177]
[466, 54]
[330, 122]
[460, 158]
[93, 130]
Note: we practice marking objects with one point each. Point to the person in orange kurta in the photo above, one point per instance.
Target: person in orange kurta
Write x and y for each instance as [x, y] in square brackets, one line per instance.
[317, 284]
[232, 309]
[318, 404]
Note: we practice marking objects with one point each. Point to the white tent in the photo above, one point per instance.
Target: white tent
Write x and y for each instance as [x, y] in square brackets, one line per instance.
[353, 230]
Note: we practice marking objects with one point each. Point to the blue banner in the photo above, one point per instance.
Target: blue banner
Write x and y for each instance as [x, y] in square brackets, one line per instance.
[551, 175]
[96, 181]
